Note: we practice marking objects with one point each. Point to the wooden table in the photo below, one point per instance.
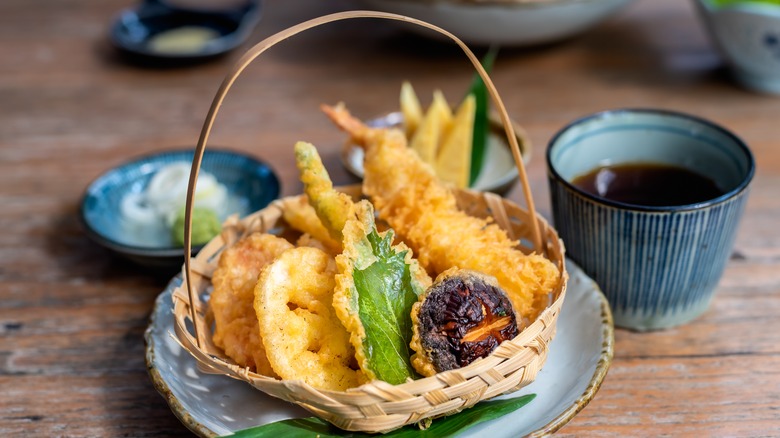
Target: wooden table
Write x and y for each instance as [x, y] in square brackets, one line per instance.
[72, 314]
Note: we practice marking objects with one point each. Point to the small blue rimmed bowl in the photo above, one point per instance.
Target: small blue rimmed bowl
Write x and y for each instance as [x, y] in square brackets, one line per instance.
[658, 265]
[251, 185]
[748, 35]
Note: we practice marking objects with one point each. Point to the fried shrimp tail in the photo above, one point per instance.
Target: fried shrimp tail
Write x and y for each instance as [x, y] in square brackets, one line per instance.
[343, 119]
[423, 211]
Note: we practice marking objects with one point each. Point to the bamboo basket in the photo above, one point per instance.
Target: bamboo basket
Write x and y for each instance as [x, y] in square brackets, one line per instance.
[375, 406]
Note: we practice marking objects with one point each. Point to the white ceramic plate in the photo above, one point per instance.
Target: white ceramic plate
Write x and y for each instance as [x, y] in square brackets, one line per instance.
[498, 172]
[577, 363]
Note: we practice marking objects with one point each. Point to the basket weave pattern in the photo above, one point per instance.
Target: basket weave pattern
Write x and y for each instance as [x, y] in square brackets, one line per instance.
[379, 406]
[375, 406]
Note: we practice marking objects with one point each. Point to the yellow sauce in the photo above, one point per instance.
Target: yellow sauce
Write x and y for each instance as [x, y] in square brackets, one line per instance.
[185, 39]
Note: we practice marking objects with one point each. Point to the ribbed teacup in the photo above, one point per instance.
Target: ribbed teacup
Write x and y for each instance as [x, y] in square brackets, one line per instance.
[658, 265]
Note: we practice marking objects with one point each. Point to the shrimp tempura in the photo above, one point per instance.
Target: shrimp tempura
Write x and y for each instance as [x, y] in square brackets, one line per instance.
[424, 213]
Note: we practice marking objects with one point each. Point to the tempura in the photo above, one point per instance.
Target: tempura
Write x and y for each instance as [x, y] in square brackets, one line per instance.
[236, 330]
[424, 213]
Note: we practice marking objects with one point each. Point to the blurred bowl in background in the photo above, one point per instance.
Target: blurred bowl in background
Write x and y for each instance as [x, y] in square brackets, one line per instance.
[156, 31]
[748, 36]
[504, 22]
[251, 185]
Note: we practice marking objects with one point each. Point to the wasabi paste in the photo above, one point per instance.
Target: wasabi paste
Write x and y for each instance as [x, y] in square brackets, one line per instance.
[205, 225]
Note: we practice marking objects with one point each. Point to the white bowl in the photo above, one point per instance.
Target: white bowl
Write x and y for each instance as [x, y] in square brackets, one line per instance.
[748, 36]
[504, 22]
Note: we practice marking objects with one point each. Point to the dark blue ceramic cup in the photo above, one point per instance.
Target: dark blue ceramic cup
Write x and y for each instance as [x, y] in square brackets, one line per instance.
[657, 265]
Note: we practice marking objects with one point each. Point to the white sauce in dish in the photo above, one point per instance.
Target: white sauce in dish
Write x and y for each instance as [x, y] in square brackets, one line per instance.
[149, 215]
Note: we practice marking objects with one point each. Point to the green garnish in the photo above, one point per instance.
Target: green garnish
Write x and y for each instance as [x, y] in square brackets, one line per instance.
[481, 119]
[385, 295]
[724, 3]
[441, 428]
[380, 283]
[205, 225]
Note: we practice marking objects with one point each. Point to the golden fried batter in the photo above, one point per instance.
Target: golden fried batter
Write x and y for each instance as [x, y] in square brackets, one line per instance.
[345, 299]
[236, 330]
[352, 222]
[424, 213]
[294, 306]
[333, 208]
[302, 217]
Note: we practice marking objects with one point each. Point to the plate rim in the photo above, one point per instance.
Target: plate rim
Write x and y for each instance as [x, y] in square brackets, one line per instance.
[602, 367]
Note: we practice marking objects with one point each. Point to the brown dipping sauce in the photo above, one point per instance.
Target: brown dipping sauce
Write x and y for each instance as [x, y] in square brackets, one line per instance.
[648, 184]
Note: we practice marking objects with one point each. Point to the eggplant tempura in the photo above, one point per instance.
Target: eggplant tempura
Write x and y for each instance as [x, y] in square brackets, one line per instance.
[424, 213]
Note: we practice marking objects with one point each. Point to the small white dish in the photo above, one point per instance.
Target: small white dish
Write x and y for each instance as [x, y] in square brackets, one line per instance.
[498, 172]
[578, 360]
[503, 22]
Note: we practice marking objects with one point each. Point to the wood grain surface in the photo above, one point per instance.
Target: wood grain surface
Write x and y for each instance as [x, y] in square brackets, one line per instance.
[72, 314]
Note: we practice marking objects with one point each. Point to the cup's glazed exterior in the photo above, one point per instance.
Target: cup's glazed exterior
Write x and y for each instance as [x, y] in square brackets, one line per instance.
[658, 266]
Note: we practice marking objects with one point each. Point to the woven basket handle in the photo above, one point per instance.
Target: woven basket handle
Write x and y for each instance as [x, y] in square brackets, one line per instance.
[271, 41]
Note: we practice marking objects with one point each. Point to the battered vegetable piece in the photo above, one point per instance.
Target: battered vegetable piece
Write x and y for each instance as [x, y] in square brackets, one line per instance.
[377, 283]
[424, 213]
[377, 286]
[236, 329]
[302, 217]
[294, 306]
[464, 316]
[332, 207]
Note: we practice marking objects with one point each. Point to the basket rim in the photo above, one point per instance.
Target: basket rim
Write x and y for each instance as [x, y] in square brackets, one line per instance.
[512, 366]
[195, 426]
[278, 205]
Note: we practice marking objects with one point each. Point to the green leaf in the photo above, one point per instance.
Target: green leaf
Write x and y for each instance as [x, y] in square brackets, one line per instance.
[724, 3]
[292, 428]
[481, 116]
[485, 411]
[385, 298]
[441, 428]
